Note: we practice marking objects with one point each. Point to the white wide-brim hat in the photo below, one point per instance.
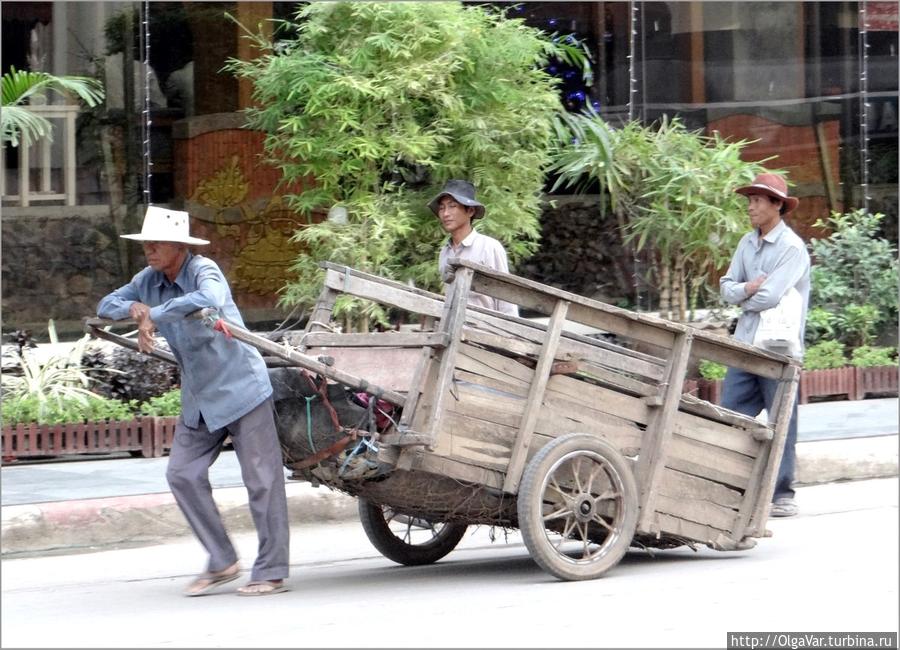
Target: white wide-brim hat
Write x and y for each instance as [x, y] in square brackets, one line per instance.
[162, 224]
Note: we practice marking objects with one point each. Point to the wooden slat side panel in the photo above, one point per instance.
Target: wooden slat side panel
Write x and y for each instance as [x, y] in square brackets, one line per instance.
[716, 434]
[706, 461]
[491, 364]
[671, 525]
[697, 500]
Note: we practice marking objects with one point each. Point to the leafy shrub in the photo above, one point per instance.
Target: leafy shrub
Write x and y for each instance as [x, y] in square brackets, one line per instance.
[856, 324]
[819, 325]
[712, 370]
[163, 405]
[827, 354]
[31, 408]
[854, 265]
[871, 357]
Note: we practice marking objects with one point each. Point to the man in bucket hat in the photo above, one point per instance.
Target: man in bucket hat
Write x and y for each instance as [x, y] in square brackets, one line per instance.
[457, 208]
[225, 390]
[769, 262]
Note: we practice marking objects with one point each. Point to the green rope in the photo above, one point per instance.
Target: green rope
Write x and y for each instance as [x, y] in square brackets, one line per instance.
[309, 421]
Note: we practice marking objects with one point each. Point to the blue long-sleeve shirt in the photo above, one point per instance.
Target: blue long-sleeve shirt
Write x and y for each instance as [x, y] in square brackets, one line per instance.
[781, 255]
[222, 379]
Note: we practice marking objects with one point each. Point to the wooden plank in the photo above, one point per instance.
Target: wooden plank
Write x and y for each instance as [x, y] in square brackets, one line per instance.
[573, 345]
[616, 379]
[499, 341]
[679, 485]
[600, 398]
[390, 368]
[443, 466]
[535, 398]
[491, 364]
[716, 433]
[412, 398]
[707, 461]
[670, 525]
[649, 329]
[465, 377]
[659, 429]
[304, 361]
[691, 404]
[377, 339]
[731, 352]
[452, 322]
[780, 419]
[699, 512]
[321, 315]
[382, 293]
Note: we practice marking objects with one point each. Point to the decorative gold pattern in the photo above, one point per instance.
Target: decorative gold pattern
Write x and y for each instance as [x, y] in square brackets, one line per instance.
[262, 250]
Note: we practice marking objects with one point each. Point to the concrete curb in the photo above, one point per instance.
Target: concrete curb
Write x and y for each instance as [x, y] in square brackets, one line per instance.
[147, 518]
[72, 525]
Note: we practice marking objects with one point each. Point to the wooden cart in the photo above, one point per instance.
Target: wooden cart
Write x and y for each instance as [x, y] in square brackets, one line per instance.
[585, 444]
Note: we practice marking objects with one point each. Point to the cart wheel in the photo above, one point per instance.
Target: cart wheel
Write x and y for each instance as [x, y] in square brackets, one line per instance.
[578, 507]
[408, 540]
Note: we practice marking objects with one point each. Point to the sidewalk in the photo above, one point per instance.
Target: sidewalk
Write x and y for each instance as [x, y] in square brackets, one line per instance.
[84, 504]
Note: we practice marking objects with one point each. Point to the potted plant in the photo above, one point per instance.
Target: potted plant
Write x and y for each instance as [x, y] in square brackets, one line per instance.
[825, 372]
[876, 371]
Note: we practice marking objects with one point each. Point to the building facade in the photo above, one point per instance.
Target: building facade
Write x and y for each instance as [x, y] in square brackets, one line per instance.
[813, 83]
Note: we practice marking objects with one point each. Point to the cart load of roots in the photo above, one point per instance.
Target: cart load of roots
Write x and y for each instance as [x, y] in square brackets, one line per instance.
[330, 434]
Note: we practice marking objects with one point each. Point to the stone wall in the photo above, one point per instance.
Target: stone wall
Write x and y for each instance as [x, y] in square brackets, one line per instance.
[57, 263]
[581, 251]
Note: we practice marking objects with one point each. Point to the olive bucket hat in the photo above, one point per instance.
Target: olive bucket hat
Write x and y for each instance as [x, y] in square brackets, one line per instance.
[463, 192]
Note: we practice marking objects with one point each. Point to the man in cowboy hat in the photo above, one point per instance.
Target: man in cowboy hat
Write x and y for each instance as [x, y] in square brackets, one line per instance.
[225, 390]
[769, 261]
[457, 208]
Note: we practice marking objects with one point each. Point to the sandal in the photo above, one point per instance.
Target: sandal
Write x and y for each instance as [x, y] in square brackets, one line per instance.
[262, 588]
[206, 582]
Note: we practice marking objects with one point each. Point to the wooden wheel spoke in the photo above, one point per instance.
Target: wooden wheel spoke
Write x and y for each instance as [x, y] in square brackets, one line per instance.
[562, 512]
[585, 540]
[597, 519]
[591, 478]
[607, 496]
[576, 470]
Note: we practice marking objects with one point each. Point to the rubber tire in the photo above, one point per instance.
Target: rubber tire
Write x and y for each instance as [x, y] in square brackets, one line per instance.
[529, 504]
[395, 549]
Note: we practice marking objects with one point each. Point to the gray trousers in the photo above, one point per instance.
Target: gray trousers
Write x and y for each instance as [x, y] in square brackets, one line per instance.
[258, 451]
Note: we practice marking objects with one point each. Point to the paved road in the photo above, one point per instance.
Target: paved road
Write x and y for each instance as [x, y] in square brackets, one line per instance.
[842, 549]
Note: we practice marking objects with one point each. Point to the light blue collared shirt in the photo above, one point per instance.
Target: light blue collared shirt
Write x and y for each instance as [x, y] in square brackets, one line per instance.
[781, 255]
[222, 379]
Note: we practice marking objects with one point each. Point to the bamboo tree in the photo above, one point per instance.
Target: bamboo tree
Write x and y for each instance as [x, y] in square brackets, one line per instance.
[372, 106]
[672, 191]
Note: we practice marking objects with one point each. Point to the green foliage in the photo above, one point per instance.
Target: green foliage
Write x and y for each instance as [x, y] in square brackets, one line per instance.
[712, 370]
[855, 266]
[66, 409]
[380, 103]
[18, 86]
[59, 379]
[824, 355]
[672, 190]
[163, 405]
[870, 357]
[856, 324]
[820, 325]
[88, 408]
